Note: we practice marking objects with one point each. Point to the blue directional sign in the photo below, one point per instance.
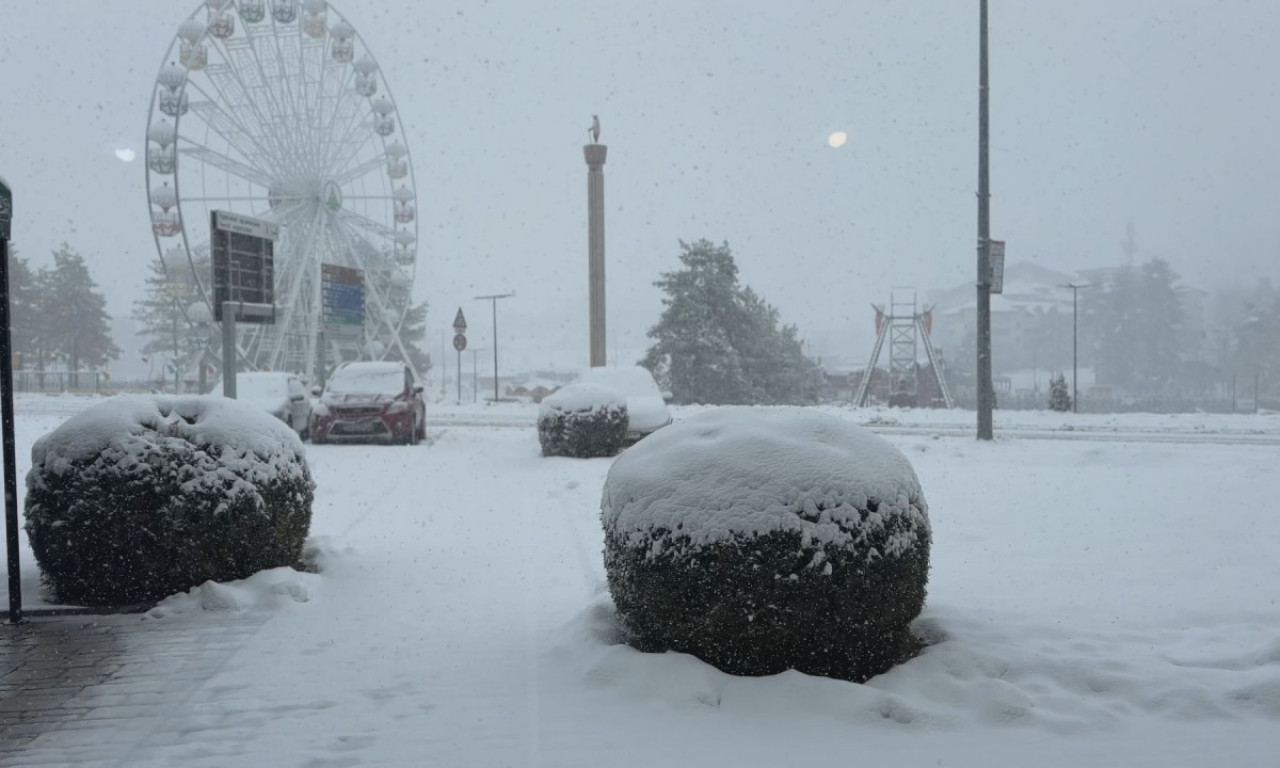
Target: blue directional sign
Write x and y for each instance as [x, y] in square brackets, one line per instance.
[342, 295]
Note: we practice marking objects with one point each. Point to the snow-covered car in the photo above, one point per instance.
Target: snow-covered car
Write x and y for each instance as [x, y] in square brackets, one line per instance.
[370, 401]
[647, 409]
[280, 394]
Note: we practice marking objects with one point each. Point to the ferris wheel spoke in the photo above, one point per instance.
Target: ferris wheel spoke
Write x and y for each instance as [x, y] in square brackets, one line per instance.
[243, 64]
[299, 274]
[223, 122]
[351, 174]
[366, 223]
[223, 163]
[274, 75]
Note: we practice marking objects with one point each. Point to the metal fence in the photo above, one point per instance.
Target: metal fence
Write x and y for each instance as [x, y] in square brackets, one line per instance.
[59, 381]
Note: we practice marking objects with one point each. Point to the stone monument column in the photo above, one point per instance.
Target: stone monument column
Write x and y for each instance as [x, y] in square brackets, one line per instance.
[595, 156]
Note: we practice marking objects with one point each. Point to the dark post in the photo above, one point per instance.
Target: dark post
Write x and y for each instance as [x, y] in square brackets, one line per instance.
[6, 412]
[985, 387]
[229, 351]
[1075, 367]
[494, 299]
[459, 377]
[1255, 393]
[1075, 353]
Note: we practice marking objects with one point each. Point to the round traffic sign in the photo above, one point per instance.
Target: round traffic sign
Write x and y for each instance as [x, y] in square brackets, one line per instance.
[459, 342]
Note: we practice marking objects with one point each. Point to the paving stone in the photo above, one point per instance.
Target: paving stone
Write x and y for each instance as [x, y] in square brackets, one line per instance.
[85, 691]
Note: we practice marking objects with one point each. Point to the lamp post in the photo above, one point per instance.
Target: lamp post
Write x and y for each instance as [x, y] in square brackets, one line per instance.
[986, 393]
[1075, 365]
[493, 297]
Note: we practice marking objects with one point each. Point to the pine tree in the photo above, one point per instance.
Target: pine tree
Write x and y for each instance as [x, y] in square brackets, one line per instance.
[172, 314]
[74, 314]
[1059, 395]
[412, 333]
[24, 308]
[719, 342]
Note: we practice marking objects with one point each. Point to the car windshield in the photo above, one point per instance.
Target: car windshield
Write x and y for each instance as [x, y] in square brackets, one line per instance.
[359, 380]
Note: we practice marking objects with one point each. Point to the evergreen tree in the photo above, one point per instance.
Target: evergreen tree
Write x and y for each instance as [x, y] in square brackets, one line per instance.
[165, 312]
[1059, 395]
[719, 342]
[74, 314]
[24, 308]
[1132, 324]
[412, 334]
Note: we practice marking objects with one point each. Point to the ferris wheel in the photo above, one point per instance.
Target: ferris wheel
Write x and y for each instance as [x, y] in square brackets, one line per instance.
[278, 110]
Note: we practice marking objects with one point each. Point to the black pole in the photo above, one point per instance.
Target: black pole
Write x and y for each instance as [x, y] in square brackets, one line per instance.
[6, 417]
[986, 394]
[1075, 342]
[494, 302]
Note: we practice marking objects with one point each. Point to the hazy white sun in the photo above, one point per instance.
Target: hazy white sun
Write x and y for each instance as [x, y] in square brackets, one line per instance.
[837, 139]
[125, 154]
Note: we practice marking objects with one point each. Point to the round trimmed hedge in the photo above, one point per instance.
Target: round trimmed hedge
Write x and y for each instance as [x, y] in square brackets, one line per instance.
[140, 497]
[582, 421]
[761, 540]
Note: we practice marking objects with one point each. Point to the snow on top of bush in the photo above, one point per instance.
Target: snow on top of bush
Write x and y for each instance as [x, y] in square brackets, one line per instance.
[580, 396]
[732, 471]
[129, 423]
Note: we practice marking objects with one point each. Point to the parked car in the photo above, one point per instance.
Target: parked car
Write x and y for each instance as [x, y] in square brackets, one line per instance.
[370, 401]
[280, 394]
[646, 405]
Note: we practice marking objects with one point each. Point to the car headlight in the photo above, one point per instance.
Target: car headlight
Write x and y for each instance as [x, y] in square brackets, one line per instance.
[398, 406]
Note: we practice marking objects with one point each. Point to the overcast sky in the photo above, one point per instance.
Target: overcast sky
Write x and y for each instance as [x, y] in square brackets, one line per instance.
[1160, 112]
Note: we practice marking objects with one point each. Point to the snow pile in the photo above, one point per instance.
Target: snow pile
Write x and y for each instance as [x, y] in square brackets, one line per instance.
[271, 589]
[139, 497]
[733, 471]
[764, 540]
[580, 396]
[126, 425]
[646, 408]
[583, 421]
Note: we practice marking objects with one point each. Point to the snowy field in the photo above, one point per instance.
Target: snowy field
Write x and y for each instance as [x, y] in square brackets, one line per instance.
[1104, 600]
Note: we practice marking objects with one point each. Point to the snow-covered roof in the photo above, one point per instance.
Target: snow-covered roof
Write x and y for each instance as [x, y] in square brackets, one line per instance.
[746, 470]
[130, 423]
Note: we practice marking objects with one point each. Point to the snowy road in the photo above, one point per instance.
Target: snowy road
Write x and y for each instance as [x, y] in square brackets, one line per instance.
[1096, 603]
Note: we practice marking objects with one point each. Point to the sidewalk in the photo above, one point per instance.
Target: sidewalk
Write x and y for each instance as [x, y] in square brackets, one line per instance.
[92, 690]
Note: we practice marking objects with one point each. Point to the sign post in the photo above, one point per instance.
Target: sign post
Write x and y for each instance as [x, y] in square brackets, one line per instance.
[6, 412]
[242, 248]
[459, 343]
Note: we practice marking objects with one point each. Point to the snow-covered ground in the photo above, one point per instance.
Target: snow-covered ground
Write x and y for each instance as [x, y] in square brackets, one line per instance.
[1093, 602]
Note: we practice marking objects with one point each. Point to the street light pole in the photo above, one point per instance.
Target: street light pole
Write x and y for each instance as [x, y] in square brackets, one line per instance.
[493, 297]
[1075, 365]
[986, 393]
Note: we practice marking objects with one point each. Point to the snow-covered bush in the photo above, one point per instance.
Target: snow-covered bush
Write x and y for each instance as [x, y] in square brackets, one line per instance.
[582, 421]
[764, 540]
[139, 497]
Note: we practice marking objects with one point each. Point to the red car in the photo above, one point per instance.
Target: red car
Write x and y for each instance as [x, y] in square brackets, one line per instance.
[370, 402]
